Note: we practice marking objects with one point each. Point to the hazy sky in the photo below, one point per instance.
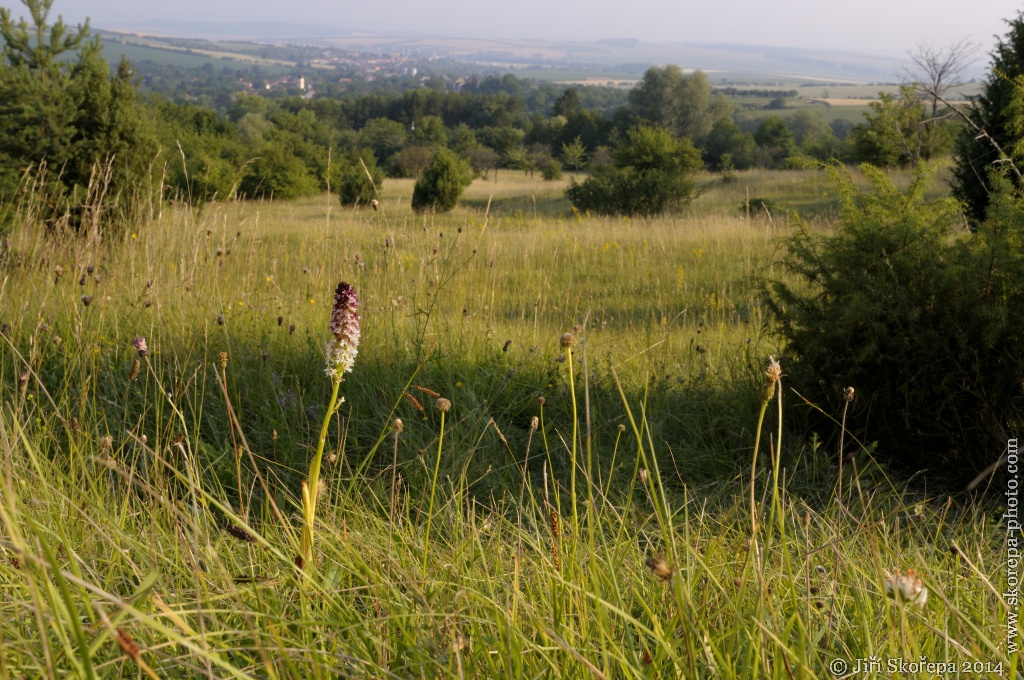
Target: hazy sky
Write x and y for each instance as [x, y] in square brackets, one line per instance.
[882, 26]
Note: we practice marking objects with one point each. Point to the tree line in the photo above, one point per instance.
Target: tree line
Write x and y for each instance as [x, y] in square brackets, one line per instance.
[63, 110]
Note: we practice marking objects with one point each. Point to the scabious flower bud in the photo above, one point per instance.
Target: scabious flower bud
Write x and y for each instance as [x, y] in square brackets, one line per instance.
[344, 343]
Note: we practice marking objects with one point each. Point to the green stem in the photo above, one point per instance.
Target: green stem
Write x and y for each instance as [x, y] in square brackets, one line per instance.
[309, 500]
[575, 426]
[433, 488]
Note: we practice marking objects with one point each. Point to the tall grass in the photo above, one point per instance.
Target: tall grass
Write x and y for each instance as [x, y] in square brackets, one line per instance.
[151, 516]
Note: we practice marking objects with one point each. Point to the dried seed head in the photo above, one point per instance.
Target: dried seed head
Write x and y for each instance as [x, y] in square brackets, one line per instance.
[220, 319]
[375, 204]
[280, 320]
[58, 272]
[223, 359]
[622, 427]
[643, 476]
[568, 341]
[23, 377]
[148, 303]
[139, 343]
[136, 369]
[399, 425]
[86, 300]
[415, 403]
[89, 269]
[273, 435]
[106, 442]
[660, 567]
[291, 329]
[443, 405]
[540, 401]
[534, 423]
[427, 391]
[127, 645]
[848, 394]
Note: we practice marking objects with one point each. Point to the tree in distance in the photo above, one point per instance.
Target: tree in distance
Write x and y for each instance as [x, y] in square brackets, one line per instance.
[442, 182]
[652, 172]
[360, 185]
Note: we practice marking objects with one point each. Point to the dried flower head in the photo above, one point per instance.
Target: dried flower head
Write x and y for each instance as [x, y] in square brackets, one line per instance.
[106, 442]
[443, 405]
[139, 344]
[375, 204]
[222, 358]
[136, 369]
[399, 425]
[848, 394]
[534, 423]
[622, 427]
[86, 300]
[773, 372]
[540, 401]
[643, 476]
[660, 567]
[58, 272]
[906, 587]
[344, 343]
[568, 341]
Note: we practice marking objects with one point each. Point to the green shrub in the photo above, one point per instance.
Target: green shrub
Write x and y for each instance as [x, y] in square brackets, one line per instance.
[439, 187]
[920, 316]
[551, 169]
[355, 185]
[652, 174]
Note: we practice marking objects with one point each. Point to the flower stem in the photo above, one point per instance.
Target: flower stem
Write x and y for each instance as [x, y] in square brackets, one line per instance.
[433, 488]
[313, 480]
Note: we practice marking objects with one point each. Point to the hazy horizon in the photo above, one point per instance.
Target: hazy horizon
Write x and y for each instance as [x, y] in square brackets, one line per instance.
[873, 26]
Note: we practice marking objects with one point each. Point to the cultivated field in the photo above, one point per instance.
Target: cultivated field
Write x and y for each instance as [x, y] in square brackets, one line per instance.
[584, 509]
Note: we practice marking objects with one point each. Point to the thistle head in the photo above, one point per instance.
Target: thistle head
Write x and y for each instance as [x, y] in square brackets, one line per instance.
[344, 343]
[140, 346]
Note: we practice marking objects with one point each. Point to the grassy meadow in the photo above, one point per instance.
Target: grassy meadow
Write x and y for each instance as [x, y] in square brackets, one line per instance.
[585, 509]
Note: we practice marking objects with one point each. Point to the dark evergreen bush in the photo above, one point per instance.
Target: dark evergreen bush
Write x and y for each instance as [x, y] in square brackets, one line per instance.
[439, 187]
[922, 317]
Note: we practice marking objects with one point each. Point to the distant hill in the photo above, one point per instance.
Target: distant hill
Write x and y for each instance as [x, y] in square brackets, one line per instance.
[723, 61]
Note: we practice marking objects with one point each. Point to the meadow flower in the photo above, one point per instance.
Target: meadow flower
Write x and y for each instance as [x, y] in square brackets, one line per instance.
[344, 343]
[906, 587]
[139, 344]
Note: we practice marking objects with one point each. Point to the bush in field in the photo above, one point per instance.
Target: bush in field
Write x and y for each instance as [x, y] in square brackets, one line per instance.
[61, 108]
[356, 187]
[439, 187]
[551, 169]
[920, 316]
[651, 174]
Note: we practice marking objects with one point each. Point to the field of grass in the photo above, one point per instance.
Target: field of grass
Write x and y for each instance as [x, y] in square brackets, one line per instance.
[586, 508]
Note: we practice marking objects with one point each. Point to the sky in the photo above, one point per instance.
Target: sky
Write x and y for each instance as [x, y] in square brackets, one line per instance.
[889, 27]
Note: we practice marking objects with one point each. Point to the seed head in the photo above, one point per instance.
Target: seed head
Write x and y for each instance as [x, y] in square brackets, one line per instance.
[399, 425]
[622, 427]
[906, 587]
[540, 401]
[223, 359]
[344, 343]
[568, 341]
[86, 300]
[139, 344]
[58, 272]
[443, 405]
[106, 442]
[534, 423]
[660, 567]
[848, 394]
[136, 369]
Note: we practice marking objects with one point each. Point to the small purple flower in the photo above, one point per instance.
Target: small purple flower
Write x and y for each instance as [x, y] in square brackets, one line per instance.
[140, 345]
[344, 343]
